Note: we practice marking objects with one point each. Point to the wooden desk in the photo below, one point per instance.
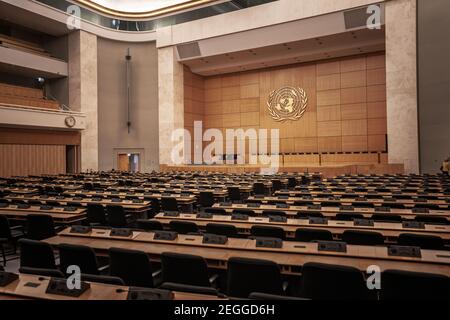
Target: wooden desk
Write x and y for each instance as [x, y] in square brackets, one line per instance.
[390, 230]
[59, 215]
[290, 257]
[98, 291]
[27, 191]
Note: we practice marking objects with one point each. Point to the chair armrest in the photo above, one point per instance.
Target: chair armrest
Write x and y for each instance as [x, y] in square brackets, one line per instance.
[103, 268]
[213, 279]
[17, 228]
[156, 273]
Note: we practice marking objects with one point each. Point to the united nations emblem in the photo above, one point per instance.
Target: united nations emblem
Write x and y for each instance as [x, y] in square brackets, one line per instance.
[287, 103]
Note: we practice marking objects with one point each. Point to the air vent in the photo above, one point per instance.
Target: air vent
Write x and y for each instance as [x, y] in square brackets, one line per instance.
[356, 18]
[189, 50]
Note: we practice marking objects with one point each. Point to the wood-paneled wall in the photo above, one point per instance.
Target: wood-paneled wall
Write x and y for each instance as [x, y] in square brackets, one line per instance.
[25, 159]
[346, 109]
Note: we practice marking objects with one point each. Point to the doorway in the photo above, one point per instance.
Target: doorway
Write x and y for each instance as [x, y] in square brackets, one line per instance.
[129, 162]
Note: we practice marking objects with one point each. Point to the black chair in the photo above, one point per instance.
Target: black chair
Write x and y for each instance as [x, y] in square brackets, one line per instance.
[40, 227]
[332, 282]
[268, 231]
[308, 214]
[292, 183]
[132, 266]
[386, 217]
[96, 215]
[82, 256]
[117, 217]
[222, 229]
[102, 279]
[408, 285]
[169, 204]
[363, 238]
[8, 234]
[276, 185]
[429, 219]
[422, 241]
[234, 194]
[36, 254]
[183, 227]
[189, 288]
[279, 213]
[248, 212]
[272, 297]
[259, 188]
[218, 211]
[206, 199]
[184, 269]
[149, 225]
[347, 216]
[54, 273]
[252, 275]
[309, 235]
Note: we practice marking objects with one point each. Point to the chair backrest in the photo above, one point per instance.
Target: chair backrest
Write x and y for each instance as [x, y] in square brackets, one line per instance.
[54, 273]
[309, 214]
[276, 185]
[309, 234]
[206, 199]
[408, 285]
[183, 227]
[253, 275]
[169, 204]
[218, 211]
[150, 225]
[234, 193]
[184, 269]
[364, 238]
[132, 266]
[259, 188]
[96, 214]
[248, 212]
[268, 231]
[5, 230]
[102, 279]
[292, 182]
[333, 282]
[388, 217]
[81, 256]
[347, 216]
[40, 227]
[428, 219]
[274, 213]
[222, 229]
[36, 254]
[116, 216]
[421, 240]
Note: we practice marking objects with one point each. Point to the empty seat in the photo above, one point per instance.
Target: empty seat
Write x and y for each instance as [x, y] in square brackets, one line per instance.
[309, 214]
[276, 185]
[253, 275]
[248, 212]
[222, 229]
[422, 241]
[268, 213]
[82, 256]
[408, 285]
[363, 238]
[169, 204]
[184, 269]
[149, 225]
[308, 235]
[259, 188]
[268, 231]
[54, 273]
[347, 216]
[292, 183]
[234, 194]
[132, 266]
[431, 219]
[36, 254]
[96, 215]
[102, 279]
[189, 288]
[117, 217]
[386, 217]
[40, 227]
[218, 211]
[206, 199]
[183, 227]
[333, 282]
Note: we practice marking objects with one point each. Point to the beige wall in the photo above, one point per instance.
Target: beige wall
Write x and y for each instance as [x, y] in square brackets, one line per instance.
[112, 94]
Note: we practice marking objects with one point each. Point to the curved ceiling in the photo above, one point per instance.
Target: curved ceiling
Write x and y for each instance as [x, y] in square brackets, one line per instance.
[138, 9]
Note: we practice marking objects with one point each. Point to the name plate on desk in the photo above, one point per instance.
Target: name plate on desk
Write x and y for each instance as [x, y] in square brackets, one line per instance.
[165, 235]
[346, 208]
[314, 206]
[420, 210]
[171, 214]
[413, 225]
[45, 207]
[278, 219]
[318, 220]
[205, 215]
[254, 205]
[383, 209]
[116, 200]
[116, 232]
[214, 239]
[363, 222]
[282, 205]
[265, 242]
[239, 216]
[149, 294]
[59, 287]
[404, 251]
[7, 278]
[332, 246]
[138, 201]
[225, 204]
[80, 229]
[96, 199]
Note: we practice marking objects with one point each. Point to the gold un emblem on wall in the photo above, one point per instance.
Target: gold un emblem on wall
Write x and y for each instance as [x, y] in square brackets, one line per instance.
[287, 103]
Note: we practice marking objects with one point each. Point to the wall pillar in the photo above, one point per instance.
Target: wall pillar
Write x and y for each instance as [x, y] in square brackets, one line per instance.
[171, 104]
[83, 92]
[401, 84]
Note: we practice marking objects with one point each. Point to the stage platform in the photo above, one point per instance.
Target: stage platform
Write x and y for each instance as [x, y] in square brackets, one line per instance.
[327, 171]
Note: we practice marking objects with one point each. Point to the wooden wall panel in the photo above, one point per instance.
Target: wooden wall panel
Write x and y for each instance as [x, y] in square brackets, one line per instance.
[23, 160]
[346, 104]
